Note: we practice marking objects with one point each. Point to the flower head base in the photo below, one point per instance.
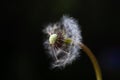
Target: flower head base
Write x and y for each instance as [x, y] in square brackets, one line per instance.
[63, 40]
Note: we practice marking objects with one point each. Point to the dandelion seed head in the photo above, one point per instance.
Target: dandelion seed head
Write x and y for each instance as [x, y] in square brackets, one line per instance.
[64, 36]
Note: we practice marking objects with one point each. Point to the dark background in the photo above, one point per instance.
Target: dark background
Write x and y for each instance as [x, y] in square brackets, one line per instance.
[24, 20]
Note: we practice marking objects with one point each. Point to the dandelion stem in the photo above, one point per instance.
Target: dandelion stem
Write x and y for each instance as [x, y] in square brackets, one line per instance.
[93, 60]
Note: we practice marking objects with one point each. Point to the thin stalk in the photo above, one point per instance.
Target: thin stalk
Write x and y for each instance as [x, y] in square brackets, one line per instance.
[93, 60]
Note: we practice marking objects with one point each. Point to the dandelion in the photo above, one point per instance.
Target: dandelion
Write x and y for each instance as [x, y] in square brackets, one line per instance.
[64, 42]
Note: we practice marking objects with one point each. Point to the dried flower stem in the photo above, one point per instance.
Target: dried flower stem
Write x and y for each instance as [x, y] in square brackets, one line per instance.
[93, 60]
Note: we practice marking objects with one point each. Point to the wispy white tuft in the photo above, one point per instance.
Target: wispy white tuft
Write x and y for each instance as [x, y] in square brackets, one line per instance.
[72, 30]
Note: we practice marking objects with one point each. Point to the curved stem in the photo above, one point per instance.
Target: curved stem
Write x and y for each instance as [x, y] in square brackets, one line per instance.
[93, 60]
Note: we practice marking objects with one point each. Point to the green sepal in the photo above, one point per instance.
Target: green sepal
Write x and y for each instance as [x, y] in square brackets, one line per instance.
[68, 40]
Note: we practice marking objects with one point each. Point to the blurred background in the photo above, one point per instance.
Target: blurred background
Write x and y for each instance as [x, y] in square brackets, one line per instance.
[26, 59]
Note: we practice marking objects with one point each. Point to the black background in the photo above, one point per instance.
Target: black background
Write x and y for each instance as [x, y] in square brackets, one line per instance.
[26, 59]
